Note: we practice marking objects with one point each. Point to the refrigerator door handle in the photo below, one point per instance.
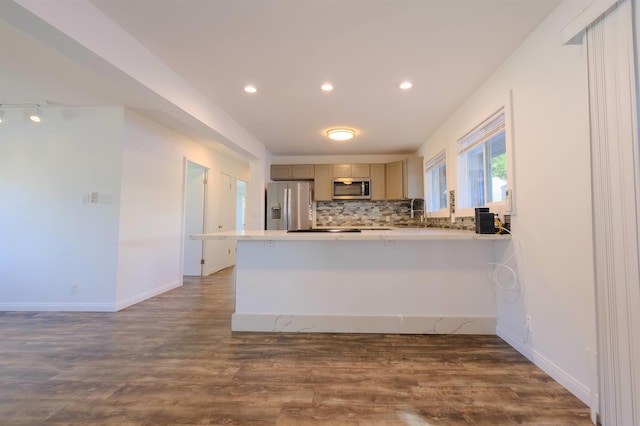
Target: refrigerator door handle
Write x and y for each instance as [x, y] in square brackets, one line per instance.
[287, 204]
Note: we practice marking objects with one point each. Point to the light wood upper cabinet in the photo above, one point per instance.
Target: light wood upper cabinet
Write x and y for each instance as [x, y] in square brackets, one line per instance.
[414, 174]
[303, 171]
[394, 180]
[350, 170]
[360, 170]
[280, 172]
[292, 171]
[405, 179]
[323, 182]
[341, 170]
[378, 182]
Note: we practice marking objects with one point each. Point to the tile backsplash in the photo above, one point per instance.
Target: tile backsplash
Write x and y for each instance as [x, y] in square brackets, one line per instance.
[465, 223]
[375, 213]
[367, 213]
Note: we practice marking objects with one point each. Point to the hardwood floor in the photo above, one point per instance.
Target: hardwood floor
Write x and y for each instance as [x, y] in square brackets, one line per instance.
[173, 360]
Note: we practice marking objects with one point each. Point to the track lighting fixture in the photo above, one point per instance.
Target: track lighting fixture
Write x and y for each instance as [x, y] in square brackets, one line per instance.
[35, 114]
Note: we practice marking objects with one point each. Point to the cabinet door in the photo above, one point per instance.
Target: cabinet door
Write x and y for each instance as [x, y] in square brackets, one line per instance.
[302, 171]
[323, 182]
[280, 172]
[360, 170]
[414, 174]
[395, 183]
[378, 182]
[342, 170]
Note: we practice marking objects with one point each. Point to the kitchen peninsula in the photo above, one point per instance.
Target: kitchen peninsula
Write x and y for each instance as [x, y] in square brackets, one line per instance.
[426, 281]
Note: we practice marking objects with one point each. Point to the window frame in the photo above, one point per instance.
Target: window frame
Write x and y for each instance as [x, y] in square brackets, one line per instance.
[435, 162]
[501, 207]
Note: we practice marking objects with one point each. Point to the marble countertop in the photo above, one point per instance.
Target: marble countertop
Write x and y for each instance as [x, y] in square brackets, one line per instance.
[366, 234]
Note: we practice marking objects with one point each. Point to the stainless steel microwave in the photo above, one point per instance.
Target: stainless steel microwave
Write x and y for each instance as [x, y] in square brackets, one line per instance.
[351, 189]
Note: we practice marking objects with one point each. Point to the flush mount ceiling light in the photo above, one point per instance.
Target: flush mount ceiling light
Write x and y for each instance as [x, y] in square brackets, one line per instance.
[405, 85]
[250, 88]
[341, 134]
[327, 87]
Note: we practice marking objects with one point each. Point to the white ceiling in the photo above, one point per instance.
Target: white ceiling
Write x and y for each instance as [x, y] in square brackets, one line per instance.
[287, 48]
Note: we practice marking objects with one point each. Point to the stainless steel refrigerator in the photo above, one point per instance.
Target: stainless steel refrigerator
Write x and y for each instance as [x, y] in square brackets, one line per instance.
[290, 205]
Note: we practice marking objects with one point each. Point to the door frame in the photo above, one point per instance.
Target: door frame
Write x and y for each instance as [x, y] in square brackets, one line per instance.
[185, 207]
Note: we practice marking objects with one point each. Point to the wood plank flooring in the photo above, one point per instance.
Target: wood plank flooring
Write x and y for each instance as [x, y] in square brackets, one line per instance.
[173, 360]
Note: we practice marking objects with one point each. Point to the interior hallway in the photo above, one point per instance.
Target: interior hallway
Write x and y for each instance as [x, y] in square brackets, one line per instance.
[173, 360]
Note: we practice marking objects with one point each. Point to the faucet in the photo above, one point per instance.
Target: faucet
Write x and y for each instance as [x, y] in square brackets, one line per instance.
[413, 210]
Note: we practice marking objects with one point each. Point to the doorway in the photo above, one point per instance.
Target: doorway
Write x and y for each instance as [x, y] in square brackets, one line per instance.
[194, 222]
[241, 204]
[223, 252]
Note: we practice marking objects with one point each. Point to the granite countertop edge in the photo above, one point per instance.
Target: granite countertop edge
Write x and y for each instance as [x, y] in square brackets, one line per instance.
[392, 234]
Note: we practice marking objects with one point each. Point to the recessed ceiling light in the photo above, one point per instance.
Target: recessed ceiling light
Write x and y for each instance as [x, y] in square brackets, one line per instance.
[327, 87]
[341, 134]
[250, 89]
[405, 85]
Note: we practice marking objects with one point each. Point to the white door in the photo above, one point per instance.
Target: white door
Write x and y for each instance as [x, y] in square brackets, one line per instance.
[224, 252]
[195, 195]
[241, 204]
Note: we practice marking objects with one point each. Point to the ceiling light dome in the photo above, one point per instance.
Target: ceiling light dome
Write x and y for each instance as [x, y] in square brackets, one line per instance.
[341, 134]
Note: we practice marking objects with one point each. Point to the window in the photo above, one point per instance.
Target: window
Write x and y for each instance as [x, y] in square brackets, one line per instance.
[482, 164]
[435, 179]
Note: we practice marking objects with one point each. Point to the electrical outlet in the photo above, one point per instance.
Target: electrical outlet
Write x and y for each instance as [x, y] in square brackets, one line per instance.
[529, 328]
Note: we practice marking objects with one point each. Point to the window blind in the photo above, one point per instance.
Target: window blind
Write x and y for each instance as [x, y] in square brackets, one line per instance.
[482, 132]
[435, 161]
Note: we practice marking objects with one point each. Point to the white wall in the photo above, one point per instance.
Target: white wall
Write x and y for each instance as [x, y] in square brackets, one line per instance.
[150, 238]
[151, 229]
[116, 252]
[49, 240]
[552, 218]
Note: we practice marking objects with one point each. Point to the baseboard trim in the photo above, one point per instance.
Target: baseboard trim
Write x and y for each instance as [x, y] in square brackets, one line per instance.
[362, 324]
[58, 307]
[90, 307]
[122, 304]
[578, 389]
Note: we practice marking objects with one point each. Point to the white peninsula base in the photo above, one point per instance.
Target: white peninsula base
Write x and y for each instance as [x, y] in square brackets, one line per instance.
[362, 284]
